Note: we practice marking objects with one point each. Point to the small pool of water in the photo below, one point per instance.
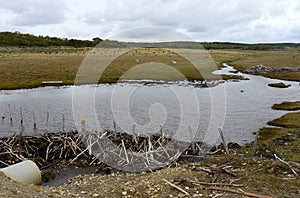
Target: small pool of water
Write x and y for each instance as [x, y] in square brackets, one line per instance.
[243, 107]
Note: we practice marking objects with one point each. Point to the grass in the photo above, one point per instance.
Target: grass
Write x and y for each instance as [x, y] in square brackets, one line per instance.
[287, 106]
[28, 67]
[243, 60]
[289, 120]
[285, 139]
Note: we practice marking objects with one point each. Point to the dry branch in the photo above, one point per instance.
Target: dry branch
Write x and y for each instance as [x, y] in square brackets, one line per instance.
[177, 187]
[247, 194]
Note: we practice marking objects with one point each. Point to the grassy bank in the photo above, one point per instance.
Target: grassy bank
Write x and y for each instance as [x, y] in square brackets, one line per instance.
[28, 67]
[287, 106]
[243, 60]
[285, 139]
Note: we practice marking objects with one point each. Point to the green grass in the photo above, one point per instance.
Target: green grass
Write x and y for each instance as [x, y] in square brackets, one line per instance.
[289, 120]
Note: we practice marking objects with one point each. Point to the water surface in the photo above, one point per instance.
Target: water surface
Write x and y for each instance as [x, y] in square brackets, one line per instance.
[247, 107]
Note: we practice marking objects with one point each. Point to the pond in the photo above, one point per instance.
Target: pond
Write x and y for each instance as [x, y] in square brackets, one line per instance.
[243, 107]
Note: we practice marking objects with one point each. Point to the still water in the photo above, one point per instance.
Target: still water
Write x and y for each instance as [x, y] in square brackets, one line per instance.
[240, 107]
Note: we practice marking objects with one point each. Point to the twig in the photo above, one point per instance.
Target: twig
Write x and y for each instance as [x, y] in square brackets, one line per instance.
[125, 151]
[295, 173]
[216, 184]
[247, 194]
[177, 187]
[223, 140]
[255, 144]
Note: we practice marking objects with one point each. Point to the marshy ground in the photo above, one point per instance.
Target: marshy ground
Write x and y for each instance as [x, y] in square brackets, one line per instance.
[261, 174]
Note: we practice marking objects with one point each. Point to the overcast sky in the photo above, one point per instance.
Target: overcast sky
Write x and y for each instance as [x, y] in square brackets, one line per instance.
[247, 21]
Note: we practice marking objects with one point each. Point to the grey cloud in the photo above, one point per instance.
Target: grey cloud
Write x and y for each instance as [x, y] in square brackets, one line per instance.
[151, 34]
[31, 13]
[230, 20]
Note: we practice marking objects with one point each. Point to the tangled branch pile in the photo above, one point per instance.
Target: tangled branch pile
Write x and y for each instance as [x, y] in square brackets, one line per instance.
[76, 148]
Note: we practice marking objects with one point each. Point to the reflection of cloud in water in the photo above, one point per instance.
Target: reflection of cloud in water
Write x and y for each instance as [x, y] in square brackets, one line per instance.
[245, 111]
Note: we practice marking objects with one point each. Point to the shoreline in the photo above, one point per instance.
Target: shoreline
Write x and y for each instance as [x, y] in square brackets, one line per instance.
[260, 174]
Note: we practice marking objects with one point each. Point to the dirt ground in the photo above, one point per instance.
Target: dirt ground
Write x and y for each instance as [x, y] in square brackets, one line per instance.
[255, 176]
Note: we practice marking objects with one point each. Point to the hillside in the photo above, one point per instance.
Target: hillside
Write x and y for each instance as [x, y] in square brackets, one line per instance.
[29, 40]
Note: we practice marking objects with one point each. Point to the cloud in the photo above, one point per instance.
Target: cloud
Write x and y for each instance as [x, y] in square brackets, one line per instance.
[214, 20]
[32, 13]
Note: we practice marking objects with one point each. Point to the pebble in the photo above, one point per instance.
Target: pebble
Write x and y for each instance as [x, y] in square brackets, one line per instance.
[96, 195]
[124, 193]
[180, 195]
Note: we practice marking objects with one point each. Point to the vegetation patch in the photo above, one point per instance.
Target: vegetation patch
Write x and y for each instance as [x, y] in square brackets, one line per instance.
[289, 120]
[287, 106]
[279, 85]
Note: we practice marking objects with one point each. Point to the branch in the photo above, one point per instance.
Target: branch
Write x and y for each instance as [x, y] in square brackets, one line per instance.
[247, 194]
[176, 187]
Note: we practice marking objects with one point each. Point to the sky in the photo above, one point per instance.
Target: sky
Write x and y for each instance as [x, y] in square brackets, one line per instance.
[244, 21]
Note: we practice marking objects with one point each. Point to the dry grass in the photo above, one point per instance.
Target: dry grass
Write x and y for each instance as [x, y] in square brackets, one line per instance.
[28, 67]
[288, 106]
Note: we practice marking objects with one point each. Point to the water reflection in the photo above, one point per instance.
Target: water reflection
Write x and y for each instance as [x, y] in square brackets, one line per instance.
[248, 107]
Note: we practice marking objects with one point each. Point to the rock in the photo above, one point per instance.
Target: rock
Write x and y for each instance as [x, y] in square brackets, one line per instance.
[279, 85]
[259, 69]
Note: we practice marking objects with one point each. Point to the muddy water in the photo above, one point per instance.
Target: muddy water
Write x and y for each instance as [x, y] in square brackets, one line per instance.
[247, 107]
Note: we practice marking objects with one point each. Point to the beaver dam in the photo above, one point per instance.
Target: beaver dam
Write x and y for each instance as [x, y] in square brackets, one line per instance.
[54, 150]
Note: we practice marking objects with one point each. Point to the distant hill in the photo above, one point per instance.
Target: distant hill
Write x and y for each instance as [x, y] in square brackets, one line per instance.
[205, 45]
[29, 40]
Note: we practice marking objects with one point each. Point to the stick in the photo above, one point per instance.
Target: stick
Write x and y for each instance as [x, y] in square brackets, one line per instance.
[21, 115]
[216, 184]
[10, 117]
[115, 126]
[247, 194]
[34, 121]
[282, 161]
[126, 155]
[47, 118]
[133, 134]
[63, 122]
[82, 118]
[89, 146]
[162, 134]
[255, 143]
[176, 187]
[224, 142]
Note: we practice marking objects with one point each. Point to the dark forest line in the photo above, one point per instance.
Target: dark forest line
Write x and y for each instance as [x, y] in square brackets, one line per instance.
[29, 40]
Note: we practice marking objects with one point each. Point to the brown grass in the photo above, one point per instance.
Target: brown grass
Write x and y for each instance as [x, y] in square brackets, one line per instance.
[28, 67]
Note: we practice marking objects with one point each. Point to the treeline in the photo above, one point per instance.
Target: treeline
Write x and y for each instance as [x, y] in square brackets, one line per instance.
[203, 45]
[242, 46]
[29, 40]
